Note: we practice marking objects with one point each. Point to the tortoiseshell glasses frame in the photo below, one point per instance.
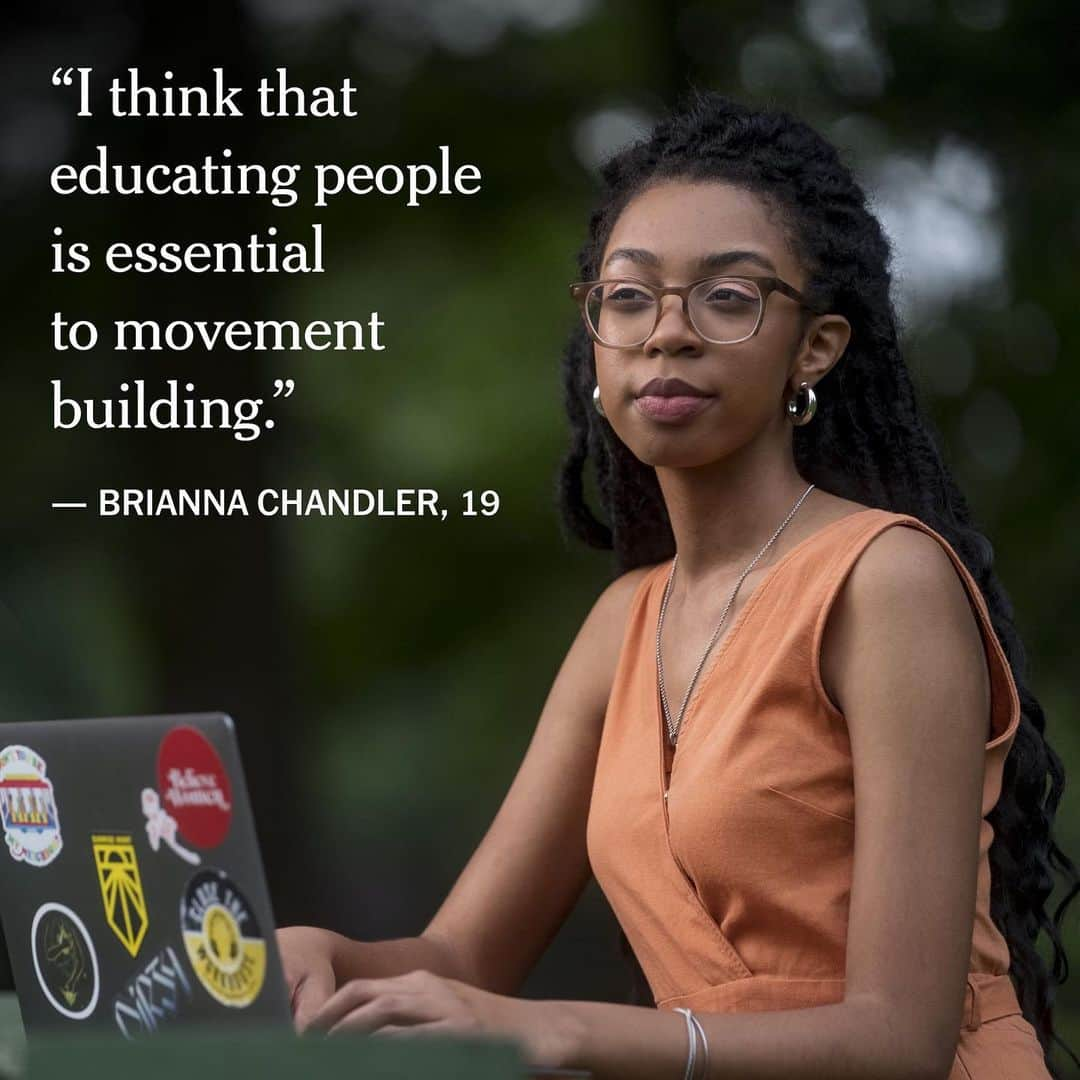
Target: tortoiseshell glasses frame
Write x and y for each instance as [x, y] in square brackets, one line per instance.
[764, 285]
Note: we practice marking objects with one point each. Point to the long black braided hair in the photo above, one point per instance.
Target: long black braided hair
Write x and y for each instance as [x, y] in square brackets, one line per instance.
[870, 442]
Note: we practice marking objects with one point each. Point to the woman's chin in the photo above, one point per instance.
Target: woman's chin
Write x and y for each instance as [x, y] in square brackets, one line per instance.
[671, 456]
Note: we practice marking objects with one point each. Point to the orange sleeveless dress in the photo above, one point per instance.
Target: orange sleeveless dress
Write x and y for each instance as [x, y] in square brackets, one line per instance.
[734, 893]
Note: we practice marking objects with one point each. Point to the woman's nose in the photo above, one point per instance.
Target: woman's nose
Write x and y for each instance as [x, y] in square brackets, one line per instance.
[673, 331]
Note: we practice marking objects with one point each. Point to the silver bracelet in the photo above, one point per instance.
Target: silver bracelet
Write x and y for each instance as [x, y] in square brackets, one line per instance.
[704, 1046]
[691, 1035]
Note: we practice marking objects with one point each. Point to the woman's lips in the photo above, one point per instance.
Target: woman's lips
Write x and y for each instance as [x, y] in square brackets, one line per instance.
[679, 407]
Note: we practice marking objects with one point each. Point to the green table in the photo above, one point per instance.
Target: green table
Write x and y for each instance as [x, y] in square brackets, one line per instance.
[12, 1043]
[214, 1054]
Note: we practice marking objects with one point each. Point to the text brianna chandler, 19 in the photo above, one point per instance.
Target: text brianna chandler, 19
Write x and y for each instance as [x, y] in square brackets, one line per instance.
[289, 502]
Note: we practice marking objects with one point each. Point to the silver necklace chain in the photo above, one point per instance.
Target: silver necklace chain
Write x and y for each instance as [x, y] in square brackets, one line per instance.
[673, 728]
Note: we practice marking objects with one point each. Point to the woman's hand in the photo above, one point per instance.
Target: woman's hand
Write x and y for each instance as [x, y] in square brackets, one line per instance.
[307, 955]
[421, 1003]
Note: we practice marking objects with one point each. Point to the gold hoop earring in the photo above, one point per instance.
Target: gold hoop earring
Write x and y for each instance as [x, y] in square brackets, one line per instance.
[597, 402]
[802, 416]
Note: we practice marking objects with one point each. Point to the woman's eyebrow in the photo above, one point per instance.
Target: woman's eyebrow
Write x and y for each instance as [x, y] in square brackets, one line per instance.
[718, 260]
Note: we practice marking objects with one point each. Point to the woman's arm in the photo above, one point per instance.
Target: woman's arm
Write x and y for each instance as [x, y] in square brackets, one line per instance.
[531, 866]
[904, 660]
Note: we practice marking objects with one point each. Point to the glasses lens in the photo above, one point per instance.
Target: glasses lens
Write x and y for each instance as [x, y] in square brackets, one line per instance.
[621, 312]
[725, 309]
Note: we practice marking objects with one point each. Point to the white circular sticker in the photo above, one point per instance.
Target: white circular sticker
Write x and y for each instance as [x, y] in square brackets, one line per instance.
[64, 961]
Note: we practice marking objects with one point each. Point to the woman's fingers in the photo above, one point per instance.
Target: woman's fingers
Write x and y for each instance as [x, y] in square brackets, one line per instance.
[366, 1004]
[312, 991]
[307, 957]
[386, 1008]
[406, 1030]
[353, 994]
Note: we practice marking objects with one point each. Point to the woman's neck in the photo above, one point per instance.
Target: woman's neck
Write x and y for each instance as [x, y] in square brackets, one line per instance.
[722, 516]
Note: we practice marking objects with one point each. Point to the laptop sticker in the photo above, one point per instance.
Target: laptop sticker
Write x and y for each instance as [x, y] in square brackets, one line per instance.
[65, 962]
[121, 888]
[28, 807]
[161, 827]
[222, 938]
[194, 787]
[156, 995]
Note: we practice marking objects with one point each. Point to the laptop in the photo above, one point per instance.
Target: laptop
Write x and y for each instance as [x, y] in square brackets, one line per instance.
[132, 891]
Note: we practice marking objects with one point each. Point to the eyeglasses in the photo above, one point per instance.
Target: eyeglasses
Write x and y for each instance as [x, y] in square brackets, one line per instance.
[622, 313]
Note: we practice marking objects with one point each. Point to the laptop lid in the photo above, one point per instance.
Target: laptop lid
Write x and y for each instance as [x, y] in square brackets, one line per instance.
[132, 891]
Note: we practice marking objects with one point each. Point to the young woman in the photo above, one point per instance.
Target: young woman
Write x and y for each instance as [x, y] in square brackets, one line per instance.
[781, 739]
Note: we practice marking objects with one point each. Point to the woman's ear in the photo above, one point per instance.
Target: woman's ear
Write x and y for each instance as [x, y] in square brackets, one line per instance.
[823, 343]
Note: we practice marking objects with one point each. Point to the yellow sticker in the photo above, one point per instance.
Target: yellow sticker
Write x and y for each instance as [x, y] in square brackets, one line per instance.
[222, 939]
[121, 888]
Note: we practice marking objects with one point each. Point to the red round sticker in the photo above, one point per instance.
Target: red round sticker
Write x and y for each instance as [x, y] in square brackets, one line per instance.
[194, 787]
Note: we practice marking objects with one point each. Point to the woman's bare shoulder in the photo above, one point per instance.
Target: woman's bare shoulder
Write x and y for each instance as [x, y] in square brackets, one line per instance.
[599, 641]
[612, 606]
